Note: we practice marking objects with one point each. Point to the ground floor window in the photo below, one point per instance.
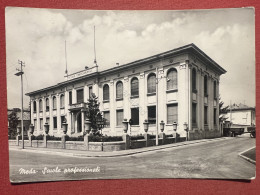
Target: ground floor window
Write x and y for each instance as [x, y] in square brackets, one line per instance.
[172, 113]
[205, 115]
[62, 118]
[215, 116]
[106, 116]
[152, 114]
[41, 124]
[119, 117]
[54, 122]
[194, 114]
[135, 116]
[35, 123]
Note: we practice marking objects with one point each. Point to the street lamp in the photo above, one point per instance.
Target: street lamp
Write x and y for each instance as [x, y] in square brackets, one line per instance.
[162, 126]
[186, 128]
[146, 125]
[174, 125]
[125, 124]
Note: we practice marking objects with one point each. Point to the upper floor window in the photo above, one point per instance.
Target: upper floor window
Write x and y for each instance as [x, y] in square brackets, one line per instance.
[40, 105]
[205, 85]
[134, 87]
[215, 89]
[172, 79]
[47, 105]
[80, 96]
[106, 92]
[70, 97]
[119, 90]
[194, 80]
[151, 83]
[54, 103]
[62, 101]
[34, 106]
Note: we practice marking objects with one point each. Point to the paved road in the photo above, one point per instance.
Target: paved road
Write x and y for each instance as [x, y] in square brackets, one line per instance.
[216, 159]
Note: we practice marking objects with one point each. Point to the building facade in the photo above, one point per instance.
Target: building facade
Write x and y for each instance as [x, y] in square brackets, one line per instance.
[180, 85]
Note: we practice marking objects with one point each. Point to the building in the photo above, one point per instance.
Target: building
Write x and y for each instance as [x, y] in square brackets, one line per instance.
[240, 115]
[188, 90]
[26, 117]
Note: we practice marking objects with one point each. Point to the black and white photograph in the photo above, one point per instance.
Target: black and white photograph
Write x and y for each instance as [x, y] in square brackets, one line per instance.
[120, 94]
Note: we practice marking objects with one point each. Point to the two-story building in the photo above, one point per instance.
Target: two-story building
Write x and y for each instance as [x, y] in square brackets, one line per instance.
[180, 85]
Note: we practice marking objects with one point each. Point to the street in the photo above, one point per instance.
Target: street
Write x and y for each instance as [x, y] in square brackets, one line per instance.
[215, 159]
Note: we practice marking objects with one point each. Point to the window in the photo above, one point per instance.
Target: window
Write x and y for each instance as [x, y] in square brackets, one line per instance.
[41, 124]
[215, 116]
[107, 118]
[62, 118]
[194, 80]
[70, 97]
[47, 105]
[40, 105]
[54, 122]
[135, 116]
[35, 123]
[119, 90]
[54, 103]
[80, 96]
[34, 106]
[194, 113]
[90, 91]
[215, 89]
[172, 79]
[151, 83]
[152, 114]
[134, 87]
[172, 113]
[205, 85]
[119, 117]
[106, 92]
[205, 115]
[61, 101]
[48, 120]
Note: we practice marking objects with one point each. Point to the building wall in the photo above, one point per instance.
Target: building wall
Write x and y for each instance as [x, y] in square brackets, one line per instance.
[183, 97]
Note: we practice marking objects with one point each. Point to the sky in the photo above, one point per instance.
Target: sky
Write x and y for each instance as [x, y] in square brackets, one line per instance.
[37, 37]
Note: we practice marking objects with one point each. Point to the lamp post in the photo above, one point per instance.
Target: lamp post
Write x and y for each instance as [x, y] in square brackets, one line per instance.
[162, 126]
[146, 125]
[174, 125]
[185, 127]
[125, 124]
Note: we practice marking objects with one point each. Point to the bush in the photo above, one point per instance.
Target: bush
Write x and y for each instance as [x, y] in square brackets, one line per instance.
[152, 136]
[94, 138]
[11, 137]
[53, 138]
[38, 137]
[79, 138]
[170, 135]
[137, 137]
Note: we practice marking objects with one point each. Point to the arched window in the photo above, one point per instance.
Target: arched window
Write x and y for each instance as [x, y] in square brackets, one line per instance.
[134, 87]
[40, 105]
[106, 92]
[215, 89]
[151, 83]
[47, 105]
[61, 101]
[34, 106]
[119, 90]
[194, 80]
[172, 79]
[54, 103]
[205, 85]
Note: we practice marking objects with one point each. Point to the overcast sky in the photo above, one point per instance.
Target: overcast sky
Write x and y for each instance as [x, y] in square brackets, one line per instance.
[37, 36]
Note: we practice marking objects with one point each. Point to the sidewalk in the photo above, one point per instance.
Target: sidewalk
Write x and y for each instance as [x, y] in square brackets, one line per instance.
[89, 154]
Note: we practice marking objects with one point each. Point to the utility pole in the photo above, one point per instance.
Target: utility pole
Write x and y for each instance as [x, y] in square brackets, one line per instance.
[20, 73]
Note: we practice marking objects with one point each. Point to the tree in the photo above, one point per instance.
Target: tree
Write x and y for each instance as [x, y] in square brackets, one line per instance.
[93, 112]
[13, 122]
[222, 111]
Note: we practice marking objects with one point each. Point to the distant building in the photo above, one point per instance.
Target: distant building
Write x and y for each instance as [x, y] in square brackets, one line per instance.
[26, 117]
[240, 115]
[188, 92]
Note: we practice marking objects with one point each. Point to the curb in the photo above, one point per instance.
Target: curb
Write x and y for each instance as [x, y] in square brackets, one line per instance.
[151, 149]
[246, 158]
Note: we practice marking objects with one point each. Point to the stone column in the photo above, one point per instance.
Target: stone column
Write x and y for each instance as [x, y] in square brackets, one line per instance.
[147, 138]
[82, 121]
[63, 141]
[126, 139]
[45, 140]
[162, 135]
[86, 141]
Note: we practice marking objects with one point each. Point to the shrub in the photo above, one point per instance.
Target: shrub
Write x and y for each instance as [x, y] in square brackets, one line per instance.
[152, 136]
[53, 138]
[38, 137]
[93, 138]
[137, 137]
[79, 138]
[170, 135]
